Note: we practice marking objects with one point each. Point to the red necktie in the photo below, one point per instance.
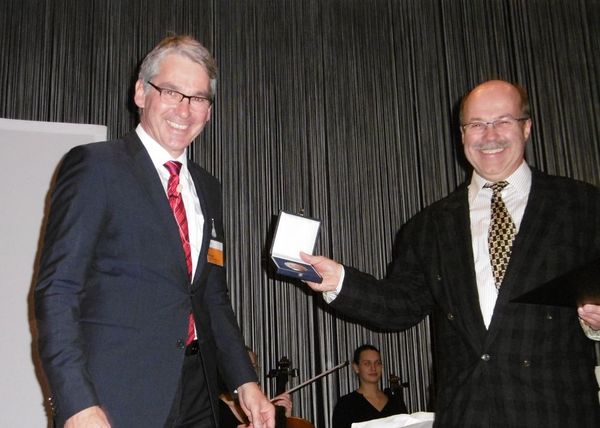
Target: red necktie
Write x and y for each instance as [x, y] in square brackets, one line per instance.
[178, 208]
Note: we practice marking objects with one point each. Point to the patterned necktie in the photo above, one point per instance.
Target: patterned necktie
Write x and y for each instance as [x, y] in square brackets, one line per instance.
[501, 233]
[176, 202]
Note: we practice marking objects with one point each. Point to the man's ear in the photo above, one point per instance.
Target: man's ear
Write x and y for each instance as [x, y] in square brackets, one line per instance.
[140, 94]
[527, 129]
[209, 113]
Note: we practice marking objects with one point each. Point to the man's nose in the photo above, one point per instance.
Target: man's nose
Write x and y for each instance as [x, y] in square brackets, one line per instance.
[183, 108]
[490, 131]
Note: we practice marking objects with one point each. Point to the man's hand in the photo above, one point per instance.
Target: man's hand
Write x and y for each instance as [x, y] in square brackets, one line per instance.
[257, 407]
[92, 417]
[591, 315]
[330, 270]
[284, 400]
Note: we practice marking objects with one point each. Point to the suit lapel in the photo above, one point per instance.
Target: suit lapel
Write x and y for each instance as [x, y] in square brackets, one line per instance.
[530, 240]
[146, 175]
[207, 226]
[456, 251]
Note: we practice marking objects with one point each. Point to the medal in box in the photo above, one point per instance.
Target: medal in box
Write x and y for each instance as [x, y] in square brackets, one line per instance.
[295, 233]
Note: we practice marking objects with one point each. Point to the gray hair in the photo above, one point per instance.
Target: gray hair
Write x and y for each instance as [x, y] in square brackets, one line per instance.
[182, 45]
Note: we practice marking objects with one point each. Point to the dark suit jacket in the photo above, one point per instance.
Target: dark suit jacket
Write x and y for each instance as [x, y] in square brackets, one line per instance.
[113, 294]
[534, 366]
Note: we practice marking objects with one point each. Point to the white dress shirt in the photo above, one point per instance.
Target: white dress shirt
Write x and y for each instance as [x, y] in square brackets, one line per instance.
[515, 196]
[193, 212]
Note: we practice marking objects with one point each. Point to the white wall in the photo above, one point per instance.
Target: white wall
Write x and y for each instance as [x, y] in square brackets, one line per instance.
[29, 155]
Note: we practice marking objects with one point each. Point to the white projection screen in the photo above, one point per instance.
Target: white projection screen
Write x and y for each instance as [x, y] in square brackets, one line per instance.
[29, 153]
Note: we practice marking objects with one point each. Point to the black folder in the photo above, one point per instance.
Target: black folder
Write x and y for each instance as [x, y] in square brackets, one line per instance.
[573, 289]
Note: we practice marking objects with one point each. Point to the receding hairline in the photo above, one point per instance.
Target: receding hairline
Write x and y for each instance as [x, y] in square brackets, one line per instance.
[521, 91]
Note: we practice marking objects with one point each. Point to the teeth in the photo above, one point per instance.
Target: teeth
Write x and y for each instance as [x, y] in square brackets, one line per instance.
[492, 151]
[176, 125]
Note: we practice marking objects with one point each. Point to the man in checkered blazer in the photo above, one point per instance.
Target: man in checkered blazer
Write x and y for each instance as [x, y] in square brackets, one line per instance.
[498, 363]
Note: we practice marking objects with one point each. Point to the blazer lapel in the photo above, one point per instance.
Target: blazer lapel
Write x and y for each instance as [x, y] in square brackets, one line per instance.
[146, 175]
[454, 233]
[207, 227]
[528, 249]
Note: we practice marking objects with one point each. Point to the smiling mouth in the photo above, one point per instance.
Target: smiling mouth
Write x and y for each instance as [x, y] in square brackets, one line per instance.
[492, 151]
[177, 125]
[492, 147]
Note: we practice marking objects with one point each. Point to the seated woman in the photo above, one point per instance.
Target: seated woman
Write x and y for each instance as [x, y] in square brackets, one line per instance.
[368, 401]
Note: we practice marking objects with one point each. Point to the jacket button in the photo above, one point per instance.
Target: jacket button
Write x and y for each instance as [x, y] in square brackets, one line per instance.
[485, 357]
[52, 406]
[438, 278]
[180, 344]
[450, 316]
[548, 316]
[525, 363]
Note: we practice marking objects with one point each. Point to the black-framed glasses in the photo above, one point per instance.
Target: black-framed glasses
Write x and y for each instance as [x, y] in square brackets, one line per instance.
[502, 124]
[173, 97]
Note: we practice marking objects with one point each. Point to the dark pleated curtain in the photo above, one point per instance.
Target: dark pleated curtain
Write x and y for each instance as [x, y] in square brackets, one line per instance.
[343, 110]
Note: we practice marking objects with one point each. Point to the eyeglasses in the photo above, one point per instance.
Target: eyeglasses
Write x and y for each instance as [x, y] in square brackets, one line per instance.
[502, 124]
[173, 97]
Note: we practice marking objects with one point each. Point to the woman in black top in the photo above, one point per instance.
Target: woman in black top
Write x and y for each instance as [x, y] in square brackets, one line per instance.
[368, 401]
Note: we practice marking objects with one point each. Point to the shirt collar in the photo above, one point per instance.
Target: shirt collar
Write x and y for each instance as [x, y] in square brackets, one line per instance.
[519, 181]
[157, 153]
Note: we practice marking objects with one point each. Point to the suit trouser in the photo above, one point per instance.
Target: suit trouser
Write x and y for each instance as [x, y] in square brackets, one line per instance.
[191, 406]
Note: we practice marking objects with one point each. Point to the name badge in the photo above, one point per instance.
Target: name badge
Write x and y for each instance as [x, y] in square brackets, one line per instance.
[215, 252]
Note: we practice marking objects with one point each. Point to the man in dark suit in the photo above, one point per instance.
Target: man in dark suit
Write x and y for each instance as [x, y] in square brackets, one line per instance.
[499, 364]
[131, 302]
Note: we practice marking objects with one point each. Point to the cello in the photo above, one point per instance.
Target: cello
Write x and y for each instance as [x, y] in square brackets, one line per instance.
[396, 385]
[282, 374]
[394, 391]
